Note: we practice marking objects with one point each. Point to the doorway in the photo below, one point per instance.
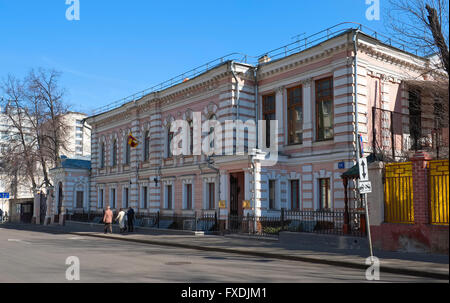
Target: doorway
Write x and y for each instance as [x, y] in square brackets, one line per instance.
[237, 192]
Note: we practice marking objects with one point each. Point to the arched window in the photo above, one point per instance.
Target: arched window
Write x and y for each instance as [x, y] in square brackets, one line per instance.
[127, 152]
[211, 131]
[114, 153]
[102, 155]
[168, 141]
[191, 137]
[147, 146]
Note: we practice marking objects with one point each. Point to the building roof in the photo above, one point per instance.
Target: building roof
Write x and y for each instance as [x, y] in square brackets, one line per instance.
[75, 163]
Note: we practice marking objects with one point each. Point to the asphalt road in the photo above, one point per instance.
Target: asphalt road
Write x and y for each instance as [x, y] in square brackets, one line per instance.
[41, 257]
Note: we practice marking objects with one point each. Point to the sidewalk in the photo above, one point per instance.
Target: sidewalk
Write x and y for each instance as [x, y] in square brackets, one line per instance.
[415, 264]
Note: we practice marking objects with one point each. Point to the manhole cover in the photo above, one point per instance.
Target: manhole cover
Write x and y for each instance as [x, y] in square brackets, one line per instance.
[177, 263]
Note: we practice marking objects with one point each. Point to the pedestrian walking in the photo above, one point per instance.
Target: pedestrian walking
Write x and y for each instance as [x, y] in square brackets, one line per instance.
[107, 219]
[1, 215]
[130, 219]
[121, 219]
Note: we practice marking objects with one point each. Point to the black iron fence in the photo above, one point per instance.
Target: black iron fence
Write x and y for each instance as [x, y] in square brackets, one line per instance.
[312, 221]
[199, 221]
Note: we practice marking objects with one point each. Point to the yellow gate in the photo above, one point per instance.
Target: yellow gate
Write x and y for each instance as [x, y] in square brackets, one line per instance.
[398, 193]
[438, 181]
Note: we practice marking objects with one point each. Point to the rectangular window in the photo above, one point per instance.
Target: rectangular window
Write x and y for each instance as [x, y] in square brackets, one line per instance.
[79, 122]
[79, 199]
[100, 205]
[79, 135]
[79, 129]
[324, 193]
[188, 196]
[144, 197]
[295, 194]
[271, 194]
[126, 197]
[211, 196]
[295, 115]
[113, 198]
[169, 196]
[324, 109]
[268, 114]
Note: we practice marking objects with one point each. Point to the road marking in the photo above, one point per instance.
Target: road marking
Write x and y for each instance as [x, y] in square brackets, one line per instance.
[75, 238]
[18, 240]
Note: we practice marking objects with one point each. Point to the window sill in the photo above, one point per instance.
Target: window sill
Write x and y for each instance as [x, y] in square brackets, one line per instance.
[323, 140]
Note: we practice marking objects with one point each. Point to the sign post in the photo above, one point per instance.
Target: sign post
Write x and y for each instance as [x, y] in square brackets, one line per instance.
[364, 187]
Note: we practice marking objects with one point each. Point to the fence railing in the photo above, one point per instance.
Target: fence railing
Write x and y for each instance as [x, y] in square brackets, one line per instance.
[438, 174]
[311, 221]
[317, 221]
[200, 221]
[398, 193]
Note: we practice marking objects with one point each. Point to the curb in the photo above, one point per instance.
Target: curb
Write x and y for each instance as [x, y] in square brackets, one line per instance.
[394, 270]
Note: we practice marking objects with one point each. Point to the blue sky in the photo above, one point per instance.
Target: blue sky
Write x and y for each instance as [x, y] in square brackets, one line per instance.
[121, 47]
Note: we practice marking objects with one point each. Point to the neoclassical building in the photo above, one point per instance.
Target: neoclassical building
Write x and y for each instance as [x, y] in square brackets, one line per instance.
[310, 92]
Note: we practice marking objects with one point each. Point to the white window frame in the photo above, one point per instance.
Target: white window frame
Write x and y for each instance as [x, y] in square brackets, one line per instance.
[186, 181]
[141, 195]
[166, 183]
[206, 181]
[111, 187]
[292, 177]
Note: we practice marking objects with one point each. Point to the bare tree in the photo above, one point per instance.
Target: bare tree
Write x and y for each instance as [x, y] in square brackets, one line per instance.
[19, 152]
[423, 25]
[46, 111]
[35, 110]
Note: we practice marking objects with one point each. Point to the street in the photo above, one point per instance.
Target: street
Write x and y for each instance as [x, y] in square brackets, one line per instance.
[32, 256]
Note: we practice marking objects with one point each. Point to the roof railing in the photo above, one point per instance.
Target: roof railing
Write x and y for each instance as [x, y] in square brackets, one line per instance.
[277, 53]
[239, 57]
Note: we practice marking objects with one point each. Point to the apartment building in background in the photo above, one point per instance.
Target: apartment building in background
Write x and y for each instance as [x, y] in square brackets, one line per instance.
[78, 144]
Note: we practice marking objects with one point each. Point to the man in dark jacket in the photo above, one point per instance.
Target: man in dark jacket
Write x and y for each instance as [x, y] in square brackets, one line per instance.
[130, 219]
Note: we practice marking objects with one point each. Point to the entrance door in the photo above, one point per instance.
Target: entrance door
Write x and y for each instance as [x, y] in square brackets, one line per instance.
[26, 212]
[236, 193]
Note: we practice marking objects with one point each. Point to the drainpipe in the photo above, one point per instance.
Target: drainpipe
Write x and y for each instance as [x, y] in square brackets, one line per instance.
[237, 88]
[355, 71]
[255, 77]
[364, 196]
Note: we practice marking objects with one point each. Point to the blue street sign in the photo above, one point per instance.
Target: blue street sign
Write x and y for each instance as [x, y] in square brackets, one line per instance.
[341, 165]
[4, 195]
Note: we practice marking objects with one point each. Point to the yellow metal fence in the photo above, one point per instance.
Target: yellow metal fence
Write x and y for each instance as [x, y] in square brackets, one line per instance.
[398, 193]
[438, 191]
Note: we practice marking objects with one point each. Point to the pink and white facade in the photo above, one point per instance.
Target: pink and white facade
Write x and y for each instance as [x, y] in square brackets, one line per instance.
[310, 93]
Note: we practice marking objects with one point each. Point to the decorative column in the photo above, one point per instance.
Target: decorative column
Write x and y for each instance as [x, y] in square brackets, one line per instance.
[279, 111]
[307, 112]
[48, 214]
